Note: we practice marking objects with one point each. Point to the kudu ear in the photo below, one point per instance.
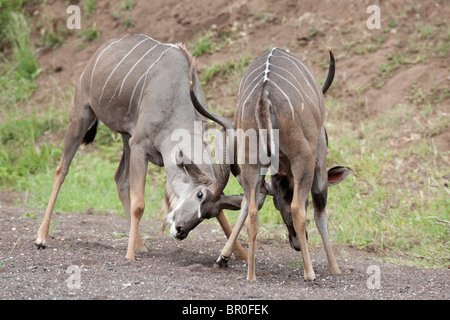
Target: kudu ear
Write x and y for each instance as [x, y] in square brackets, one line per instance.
[230, 202]
[337, 174]
[192, 169]
[234, 202]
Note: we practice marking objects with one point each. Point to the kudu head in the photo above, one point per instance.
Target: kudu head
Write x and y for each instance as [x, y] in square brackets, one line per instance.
[279, 186]
[204, 201]
[205, 198]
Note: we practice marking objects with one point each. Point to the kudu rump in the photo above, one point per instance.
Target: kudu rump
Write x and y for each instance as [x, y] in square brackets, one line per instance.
[139, 88]
[278, 92]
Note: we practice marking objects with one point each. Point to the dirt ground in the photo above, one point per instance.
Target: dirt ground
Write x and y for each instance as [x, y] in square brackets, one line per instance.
[91, 247]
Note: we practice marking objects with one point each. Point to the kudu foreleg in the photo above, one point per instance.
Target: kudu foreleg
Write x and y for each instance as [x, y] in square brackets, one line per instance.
[319, 193]
[238, 251]
[122, 178]
[321, 220]
[222, 261]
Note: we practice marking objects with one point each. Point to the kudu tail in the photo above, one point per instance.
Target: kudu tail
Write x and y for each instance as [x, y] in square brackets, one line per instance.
[330, 75]
[264, 121]
[91, 133]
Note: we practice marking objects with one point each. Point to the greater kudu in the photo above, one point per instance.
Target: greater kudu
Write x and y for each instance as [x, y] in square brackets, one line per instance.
[278, 92]
[139, 88]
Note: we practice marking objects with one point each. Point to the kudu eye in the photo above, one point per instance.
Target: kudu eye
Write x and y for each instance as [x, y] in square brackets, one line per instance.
[199, 194]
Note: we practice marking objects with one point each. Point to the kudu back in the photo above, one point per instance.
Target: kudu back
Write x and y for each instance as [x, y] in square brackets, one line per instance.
[139, 87]
[279, 93]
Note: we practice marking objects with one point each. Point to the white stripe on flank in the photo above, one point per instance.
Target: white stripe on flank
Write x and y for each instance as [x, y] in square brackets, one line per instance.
[145, 79]
[250, 84]
[144, 74]
[114, 94]
[115, 68]
[251, 92]
[129, 72]
[264, 76]
[301, 63]
[296, 80]
[243, 82]
[101, 53]
[165, 44]
[305, 67]
[287, 71]
[295, 88]
[144, 35]
[286, 96]
[306, 80]
[81, 77]
[303, 75]
[142, 89]
[298, 91]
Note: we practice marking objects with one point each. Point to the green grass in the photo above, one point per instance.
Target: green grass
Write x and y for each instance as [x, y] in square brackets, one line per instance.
[28, 163]
[394, 190]
[90, 186]
[426, 31]
[395, 61]
[127, 5]
[89, 34]
[89, 6]
[23, 53]
[22, 155]
[19, 68]
[225, 69]
[13, 87]
[204, 44]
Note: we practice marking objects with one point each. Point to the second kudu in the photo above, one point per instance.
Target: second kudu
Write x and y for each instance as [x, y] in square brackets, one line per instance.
[139, 88]
[278, 92]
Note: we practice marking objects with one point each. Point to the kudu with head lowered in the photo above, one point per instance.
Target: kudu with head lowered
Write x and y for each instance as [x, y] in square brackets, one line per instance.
[139, 88]
[278, 92]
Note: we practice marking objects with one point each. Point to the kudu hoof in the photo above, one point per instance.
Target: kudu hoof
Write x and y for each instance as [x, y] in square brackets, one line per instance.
[40, 244]
[309, 276]
[221, 263]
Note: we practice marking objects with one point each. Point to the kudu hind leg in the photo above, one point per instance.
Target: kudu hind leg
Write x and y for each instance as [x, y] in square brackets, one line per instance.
[122, 178]
[319, 195]
[79, 123]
